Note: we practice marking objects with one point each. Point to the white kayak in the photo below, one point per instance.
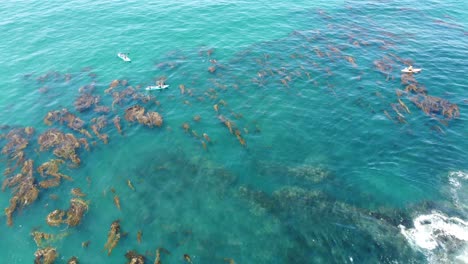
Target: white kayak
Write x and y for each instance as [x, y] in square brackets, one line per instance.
[407, 70]
[123, 56]
[156, 87]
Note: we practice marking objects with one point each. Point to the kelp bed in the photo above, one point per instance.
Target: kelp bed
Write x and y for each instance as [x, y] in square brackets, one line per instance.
[313, 60]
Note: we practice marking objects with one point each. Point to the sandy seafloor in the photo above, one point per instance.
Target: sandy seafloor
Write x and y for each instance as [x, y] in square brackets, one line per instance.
[304, 145]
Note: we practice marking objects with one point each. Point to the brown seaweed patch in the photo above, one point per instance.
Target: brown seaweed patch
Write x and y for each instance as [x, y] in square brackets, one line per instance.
[350, 60]
[212, 69]
[154, 119]
[55, 218]
[112, 85]
[139, 235]
[77, 192]
[158, 254]
[101, 109]
[136, 113]
[122, 96]
[432, 105]
[25, 192]
[40, 237]
[99, 124]
[134, 258]
[65, 145]
[51, 168]
[85, 101]
[76, 211]
[73, 260]
[130, 185]
[64, 116]
[113, 236]
[17, 141]
[45, 256]
[117, 201]
[29, 130]
[74, 214]
[229, 260]
[118, 126]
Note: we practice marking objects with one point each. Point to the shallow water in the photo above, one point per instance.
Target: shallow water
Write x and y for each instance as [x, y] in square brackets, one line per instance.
[334, 168]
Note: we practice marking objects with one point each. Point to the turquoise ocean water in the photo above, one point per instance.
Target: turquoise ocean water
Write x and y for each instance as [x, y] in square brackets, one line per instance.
[329, 159]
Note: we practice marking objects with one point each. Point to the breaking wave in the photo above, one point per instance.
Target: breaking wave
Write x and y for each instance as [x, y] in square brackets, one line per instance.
[443, 238]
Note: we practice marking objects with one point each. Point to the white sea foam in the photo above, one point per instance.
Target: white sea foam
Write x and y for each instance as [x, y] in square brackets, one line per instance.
[443, 239]
[458, 180]
[440, 237]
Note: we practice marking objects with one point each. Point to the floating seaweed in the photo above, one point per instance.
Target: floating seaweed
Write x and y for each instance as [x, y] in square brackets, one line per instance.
[64, 116]
[157, 260]
[85, 244]
[134, 258]
[432, 105]
[73, 260]
[117, 201]
[143, 98]
[29, 131]
[77, 192]
[206, 137]
[117, 125]
[112, 85]
[154, 119]
[182, 89]
[204, 145]
[89, 88]
[139, 234]
[74, 214]
[123, 96]
[85, 101]
[45, 256]
[188, 259]
[186, 127]
[212, 69]
[404, 106]
[113, 236]
[25, 191]
[101, 109]
[383, 66]
[40, 236]
[350, 60]
[158, 254]
[130, 185]
[76, 211]
[65, 145]
[50, 183]
[136, 113]
[51, 168]
[99, 124]
[407, 78]
[18, 140]
[55, 218]
[133, 113]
